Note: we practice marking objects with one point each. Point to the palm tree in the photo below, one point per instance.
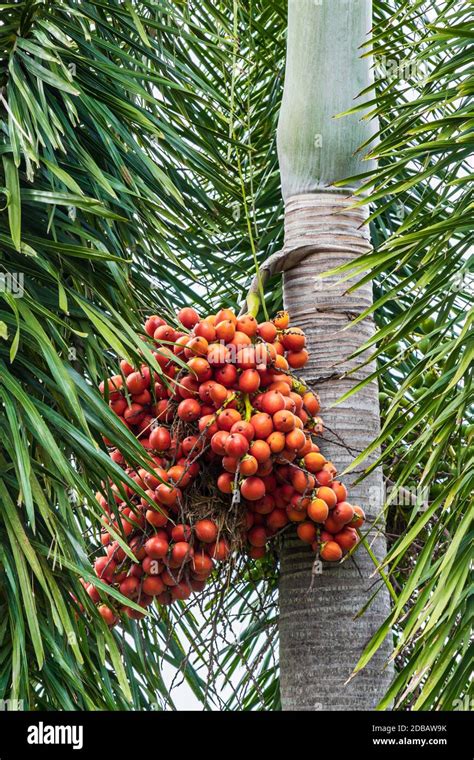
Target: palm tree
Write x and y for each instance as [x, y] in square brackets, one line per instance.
[139, 168]
[322, 232]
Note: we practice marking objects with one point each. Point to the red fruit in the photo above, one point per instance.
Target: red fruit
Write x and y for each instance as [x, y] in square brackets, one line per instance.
[226, 375]
[218, 394]
[260, 450]
[218, 442]
[297, 359]
[295, 440]
[230, 464]
[104, 568]
[236, 445]
[134, 414]
[168, 578]
[324, 477]
[265, 468]
[201, 368]
[302, 481]
[164, 333]
[306, 532]
[153, 481]
[332, 525]
[281, 320]
[267, 331]
[135, 383]
[359, 517]
[188, 387]
[225, 330]
[346, 538]
[204, 391]
[118, 405]
[327, 495]
[220, 550]
[130, 587]
[247, 324]
[189, 410]
[276, 441]
[180, 344]
[262, 424]
[228, 418]
[245, 428]
[179, 475]
[197, 346]
[295, 515]
[257, 552]
[165, 598]
[264, 506]
[240, 339]
[257, 536]
[277, 520]
[93, 593]
[248, 465]
[167, 495]
[202, 563]
[311, 403]
[331, 551]
[188, 317]
[249, 381]
[314, 461]
[163, 411]
[272, 402]
[252, 488]
[182, 591]
[191, 444]
[156, 547]
[153, 585]
[117, 456]
[107, 614]
[205, 330]
[318, 511]
[181, 552]
[160, 439]
[284, 421]
[152, 324]
[248, 358]
[143, 398]
[293, 339]
[181, 532]
[208, 425]
[225, 314]
[197, 585]
[225, 482]
[343, 512]
[340, 490]
[206, 531]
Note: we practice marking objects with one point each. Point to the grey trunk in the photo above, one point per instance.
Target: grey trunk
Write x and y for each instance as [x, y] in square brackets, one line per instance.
[321, 639]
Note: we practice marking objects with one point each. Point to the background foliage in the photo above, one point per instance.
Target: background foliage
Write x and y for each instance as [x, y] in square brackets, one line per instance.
[139, 172]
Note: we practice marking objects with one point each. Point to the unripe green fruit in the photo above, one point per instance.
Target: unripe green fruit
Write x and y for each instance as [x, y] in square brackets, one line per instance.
[424, 345]
[392, 351]
[430, 378]
[428, 325]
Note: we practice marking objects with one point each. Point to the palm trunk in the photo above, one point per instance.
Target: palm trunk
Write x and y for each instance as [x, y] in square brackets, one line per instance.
[320, 638]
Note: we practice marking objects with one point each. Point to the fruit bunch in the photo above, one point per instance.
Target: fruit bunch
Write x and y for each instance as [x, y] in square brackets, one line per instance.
[229, 433]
